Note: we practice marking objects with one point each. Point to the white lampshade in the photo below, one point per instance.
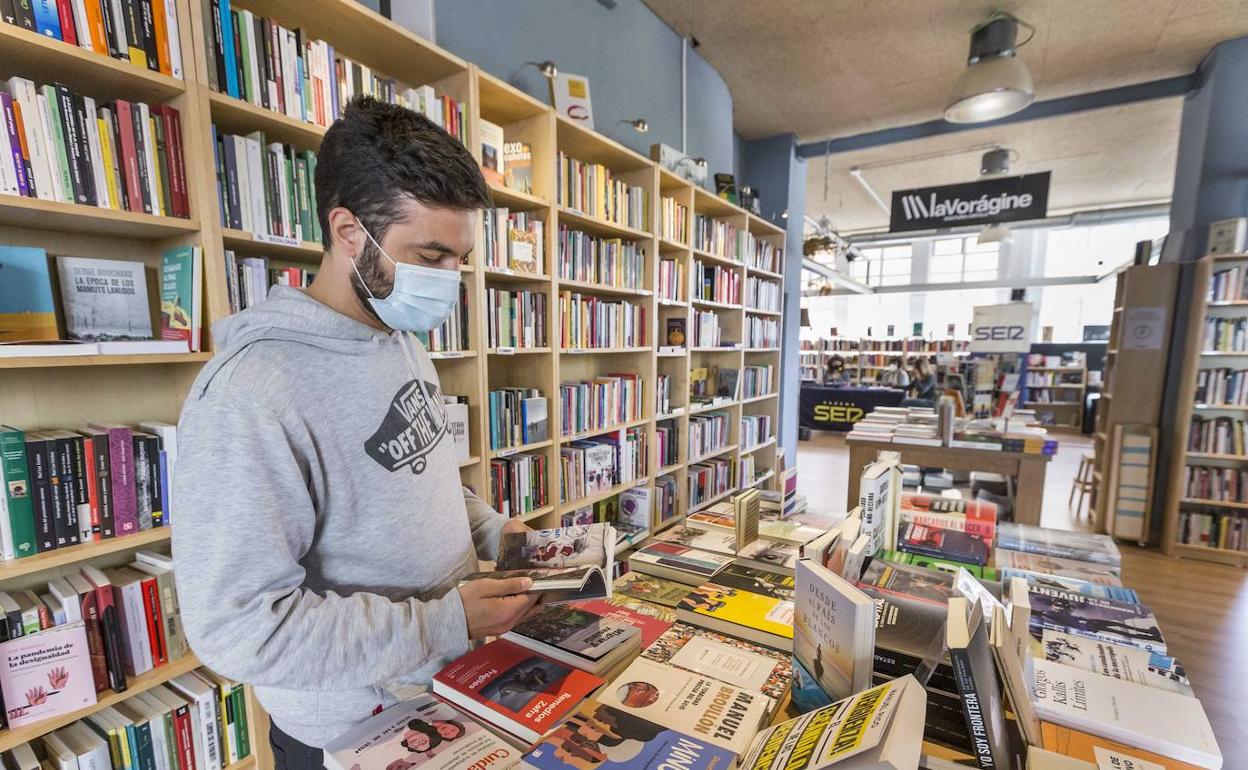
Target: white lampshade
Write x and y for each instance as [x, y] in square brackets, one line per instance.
[997, 233]
[991, 88]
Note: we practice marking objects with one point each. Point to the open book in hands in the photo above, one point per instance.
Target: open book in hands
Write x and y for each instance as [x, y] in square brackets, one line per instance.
[566, 564]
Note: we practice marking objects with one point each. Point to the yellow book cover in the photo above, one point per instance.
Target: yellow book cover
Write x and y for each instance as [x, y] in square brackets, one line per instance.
[110, 170]
[771, 614]
[158, 198]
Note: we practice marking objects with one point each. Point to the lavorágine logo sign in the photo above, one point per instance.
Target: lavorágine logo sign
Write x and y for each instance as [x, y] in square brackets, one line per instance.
[1007, 199]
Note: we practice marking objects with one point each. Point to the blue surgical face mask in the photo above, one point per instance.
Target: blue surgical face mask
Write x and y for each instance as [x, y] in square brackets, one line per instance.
[422, 297]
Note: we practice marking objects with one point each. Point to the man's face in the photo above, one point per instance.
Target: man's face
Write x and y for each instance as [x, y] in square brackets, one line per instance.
[422, 235]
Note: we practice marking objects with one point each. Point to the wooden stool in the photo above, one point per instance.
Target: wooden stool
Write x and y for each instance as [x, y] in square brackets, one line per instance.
[1082, 483]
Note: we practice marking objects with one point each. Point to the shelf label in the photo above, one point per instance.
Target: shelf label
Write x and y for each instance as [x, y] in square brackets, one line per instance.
[506, 452]
[449, 354]
[504, 271]
[578, 350]
[276, 240]
[507, 351]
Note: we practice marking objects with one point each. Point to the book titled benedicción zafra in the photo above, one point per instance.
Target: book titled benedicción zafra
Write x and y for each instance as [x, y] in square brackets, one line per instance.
[566, 564]
[423, 732]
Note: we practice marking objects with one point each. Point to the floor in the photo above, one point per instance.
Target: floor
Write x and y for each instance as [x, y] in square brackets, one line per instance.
[1202, 608]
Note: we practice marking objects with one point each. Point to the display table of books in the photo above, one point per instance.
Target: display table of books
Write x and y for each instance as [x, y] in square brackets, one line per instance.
[812, 641]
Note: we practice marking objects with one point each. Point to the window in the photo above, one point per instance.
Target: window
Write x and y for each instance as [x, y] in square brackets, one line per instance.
[1098, 249]
[886, 266]
[958, 260]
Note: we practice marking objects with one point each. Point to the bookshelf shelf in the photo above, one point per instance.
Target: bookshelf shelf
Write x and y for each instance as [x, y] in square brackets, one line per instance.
[472, 460]
[673, 353]
[600, 431]
[1220, 407]
[760, 479]
[762, 350]
[452, 355]
[515, 200]
[756, 399]
[235, 116]
[711, 407]
[80, 553]
[245, 244]
[23, 52]
[134, 686]
[667, 244]
[515, 450]
[707, 503]
[581, 502]
[672, 303]
[709, 349]
[50, 362]
[764, 273]
[756, 447]
[1212, 456]
[507, 275]
[760, 311]
[602, 288]
[707, 256]
[37, 214]
[578, 221]
[1209, 553]
[669, 468]
[668, 524]
[536, 514]
[716, 305]
[1224, 353]
[1228, 303]
[712, 454]
[517, 351]
[602, 351]
[1234, 504]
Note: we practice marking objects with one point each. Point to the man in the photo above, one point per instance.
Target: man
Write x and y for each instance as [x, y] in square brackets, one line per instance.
[322, 529]
[895, 376]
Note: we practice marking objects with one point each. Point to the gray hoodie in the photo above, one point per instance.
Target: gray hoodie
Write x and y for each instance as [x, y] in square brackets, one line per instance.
[321, 526]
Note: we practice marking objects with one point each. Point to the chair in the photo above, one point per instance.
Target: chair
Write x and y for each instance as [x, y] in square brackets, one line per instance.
[1082, 483]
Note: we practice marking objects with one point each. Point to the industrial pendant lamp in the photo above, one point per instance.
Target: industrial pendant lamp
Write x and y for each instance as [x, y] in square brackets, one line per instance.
[996, 83]
[996, 163]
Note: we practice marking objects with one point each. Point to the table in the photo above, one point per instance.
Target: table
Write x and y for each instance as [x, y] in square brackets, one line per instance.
[1028, 468]
[838, 407]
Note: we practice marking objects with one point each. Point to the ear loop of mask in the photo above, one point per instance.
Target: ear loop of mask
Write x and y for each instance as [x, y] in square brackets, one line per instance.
[404, 340]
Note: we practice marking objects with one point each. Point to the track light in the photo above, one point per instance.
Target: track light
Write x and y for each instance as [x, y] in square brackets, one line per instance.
[996, 83]
[699, 162]
[996, 162]
[639, 124]
[996, 233]
[547, 68]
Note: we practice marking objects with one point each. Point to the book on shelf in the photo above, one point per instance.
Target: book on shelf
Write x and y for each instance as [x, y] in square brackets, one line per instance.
[493, 162]
[596, 191]
[519, 484]
[181, 295]
[514, 240]
[678, 563]
[27, 312]
[591, 259]
[1126, 712]
[514, 689]
[833, 630]
[46, 674]
[601, 736]
[565, 564]
[880, 728]
[760, 618]
[518, 166]
[577, 637]
[266, 188]
[728, 659]
[974, 671]
[104, 299]
[688, 702]
[154, 45]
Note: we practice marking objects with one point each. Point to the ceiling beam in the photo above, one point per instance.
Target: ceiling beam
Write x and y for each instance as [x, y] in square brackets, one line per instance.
[850, 285]
[1066, 105]
[1003, 283]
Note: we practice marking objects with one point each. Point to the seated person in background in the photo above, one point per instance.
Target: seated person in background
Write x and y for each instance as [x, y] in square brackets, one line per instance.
[835, 373]
[923, 386]
[895, 375]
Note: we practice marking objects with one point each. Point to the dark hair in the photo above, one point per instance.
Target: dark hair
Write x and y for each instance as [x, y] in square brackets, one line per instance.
[421, 726]
[377, 153]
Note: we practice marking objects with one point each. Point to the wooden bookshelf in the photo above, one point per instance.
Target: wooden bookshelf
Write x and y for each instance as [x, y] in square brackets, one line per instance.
[46, 392]
[1178, 501]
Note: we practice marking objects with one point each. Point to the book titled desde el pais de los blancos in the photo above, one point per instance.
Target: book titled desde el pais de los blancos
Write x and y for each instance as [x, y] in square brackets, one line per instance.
[104, 299]
[695, 705]
[566, 564]
[514, 689]
[833, 630]
[599, 736]
[877, 729]
[46, 674]
[423, 732]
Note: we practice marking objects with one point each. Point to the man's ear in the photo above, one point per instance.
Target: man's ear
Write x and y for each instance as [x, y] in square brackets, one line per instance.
[346, 236]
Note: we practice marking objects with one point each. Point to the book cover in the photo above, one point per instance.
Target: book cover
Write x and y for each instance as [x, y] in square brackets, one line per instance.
[423, 732]
[975, 673]
[179, 305]
[738, 612]
[651, 620]
[909, 636]
[769, 554]
[648, 588]
[515, 689]
[1089, 748]
[26, 310]
[726, 658]
[875, 490]
[518, 166]
[1104, 619]
[833, 630]
[703, 540]
[18, 523]
[715, 518]
[1125, 712]
[806, 694]
[909, 581]
[883, 724]
[1117, 593]
[692, 704]
[588, 545]
[104, 299]
[493, 164]
[576, 631]
[943, 543]
[1080, 546]
[974, 517]
[678, 562]
[46, 674]
[597, 735]
[1130, 664]
[758, 581]
[1018, 561]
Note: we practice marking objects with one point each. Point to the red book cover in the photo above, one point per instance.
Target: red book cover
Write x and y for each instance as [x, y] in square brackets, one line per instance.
[95, 633]
[177, 161]
[129, 155]
[109, 626]
[93, 491]
[651, 627]
[183, 732]
[65, 10]
[975, 517]
[521, 692]
[155, 630]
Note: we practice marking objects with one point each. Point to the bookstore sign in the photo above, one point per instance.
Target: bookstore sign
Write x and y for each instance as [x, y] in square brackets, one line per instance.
[1002, 328]
[985, 202]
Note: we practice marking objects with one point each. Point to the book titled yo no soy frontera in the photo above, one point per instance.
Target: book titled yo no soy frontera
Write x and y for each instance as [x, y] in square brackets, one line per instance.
[423, 732]
[566, 564]
[46, 674]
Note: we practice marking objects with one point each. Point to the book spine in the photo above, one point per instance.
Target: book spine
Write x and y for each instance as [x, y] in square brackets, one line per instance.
[114, 33]
[41, 494]
[47, 18]
[133, 25]
[177, 162]
[149, 149]
[142, 483]
[972, 703]
[56, 494]
[184, 737]
[7, 13]
[16, 160]
[160, 33]
[227, 48]
[121, 466]
[147, 29]
[15, 476]
[25, 14]
[216, 69]
[240, 721]
[162, 164]
[95, 640]
[65, 13]
[110, 629]
[132, 616]
[50, 111]
[154, 621]
[229, 155]
[154, 489]
[138, 134]
[64, 468]
[98, 162]
[103, 484]
[173, 30]
[96, 30]
[81, 487]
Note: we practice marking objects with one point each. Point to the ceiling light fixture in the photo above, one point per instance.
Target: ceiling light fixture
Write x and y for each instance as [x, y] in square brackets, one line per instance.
[995, 233]
[996, 83]
[997, 162]
[639, 124]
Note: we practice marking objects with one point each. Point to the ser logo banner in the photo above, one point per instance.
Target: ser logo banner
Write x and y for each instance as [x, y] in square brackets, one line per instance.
[1008, 199]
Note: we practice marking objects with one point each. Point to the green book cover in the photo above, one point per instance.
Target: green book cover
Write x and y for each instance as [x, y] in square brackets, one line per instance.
[951, 566]
[316, 222]
[60, 151]
[17, 507]
[171, 739]
[177, 293]
[249, 93]
[292, 205]
[301, 193]
[240, 720]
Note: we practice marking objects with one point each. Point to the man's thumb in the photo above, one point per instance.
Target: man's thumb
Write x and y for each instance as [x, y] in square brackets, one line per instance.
[507, 586]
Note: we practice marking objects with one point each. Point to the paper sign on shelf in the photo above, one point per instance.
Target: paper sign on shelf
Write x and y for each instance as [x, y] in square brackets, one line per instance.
[1002, 328]
[1143, 328]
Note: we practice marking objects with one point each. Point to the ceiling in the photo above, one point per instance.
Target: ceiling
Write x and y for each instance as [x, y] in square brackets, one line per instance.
[828, 68]
[1115, 156]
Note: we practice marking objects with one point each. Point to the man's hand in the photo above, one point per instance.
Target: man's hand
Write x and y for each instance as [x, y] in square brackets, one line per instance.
[492, 607]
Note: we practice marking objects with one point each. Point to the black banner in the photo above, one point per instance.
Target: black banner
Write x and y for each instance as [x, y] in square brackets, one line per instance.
[828, 408]
[1004, 199]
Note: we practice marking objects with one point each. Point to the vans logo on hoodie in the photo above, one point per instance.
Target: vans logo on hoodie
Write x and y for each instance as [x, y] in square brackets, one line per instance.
[412, 427]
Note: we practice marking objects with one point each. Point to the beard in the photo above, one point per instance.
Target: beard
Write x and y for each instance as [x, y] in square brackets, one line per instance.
[370, 277]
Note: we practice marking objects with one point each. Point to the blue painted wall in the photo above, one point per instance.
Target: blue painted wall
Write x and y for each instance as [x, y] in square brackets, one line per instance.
[632, 60]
